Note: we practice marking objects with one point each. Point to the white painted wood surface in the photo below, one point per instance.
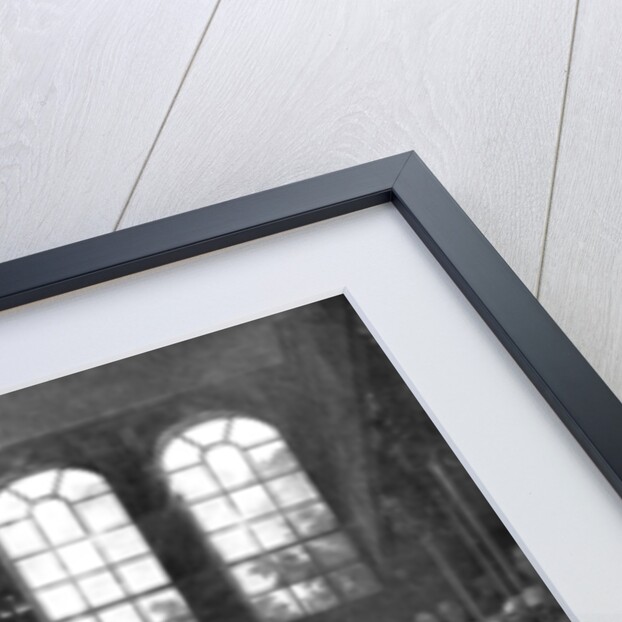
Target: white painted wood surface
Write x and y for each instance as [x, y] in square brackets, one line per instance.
[582, 275]
[284, 90]
[84, 87]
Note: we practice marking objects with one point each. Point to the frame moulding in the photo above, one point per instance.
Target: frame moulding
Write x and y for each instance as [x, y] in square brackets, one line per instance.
[572, 388]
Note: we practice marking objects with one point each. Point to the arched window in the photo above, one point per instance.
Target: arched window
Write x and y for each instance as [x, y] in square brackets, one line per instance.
[78, 554]
[266, 520]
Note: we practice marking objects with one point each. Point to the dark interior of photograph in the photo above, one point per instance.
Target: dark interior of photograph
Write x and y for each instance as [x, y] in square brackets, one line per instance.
[277, 470]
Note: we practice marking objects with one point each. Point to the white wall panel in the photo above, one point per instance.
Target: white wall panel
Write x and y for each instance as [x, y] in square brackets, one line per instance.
[284, 90]
[84, 87]
[582, 276]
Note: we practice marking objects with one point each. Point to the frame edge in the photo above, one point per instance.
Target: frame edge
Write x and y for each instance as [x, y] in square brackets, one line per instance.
[557, 369]
[153, 244]
[569, 384]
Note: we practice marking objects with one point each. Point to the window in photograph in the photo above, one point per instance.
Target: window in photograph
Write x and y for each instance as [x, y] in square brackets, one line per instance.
[78, 554]
[265, 518]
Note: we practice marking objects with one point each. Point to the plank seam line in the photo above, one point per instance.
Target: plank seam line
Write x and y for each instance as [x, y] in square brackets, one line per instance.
[547, 218]
[166, 116]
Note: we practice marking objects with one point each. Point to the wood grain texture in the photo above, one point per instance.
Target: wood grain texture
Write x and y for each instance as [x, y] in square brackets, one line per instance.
[84, 87]
[282, 91]
[582, 275]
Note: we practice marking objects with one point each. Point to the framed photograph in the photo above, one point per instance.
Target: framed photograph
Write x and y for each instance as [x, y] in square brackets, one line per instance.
[332, 400]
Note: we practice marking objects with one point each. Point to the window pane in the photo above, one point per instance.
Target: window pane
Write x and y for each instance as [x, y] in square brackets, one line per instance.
[312, 520]
[142, 575]
[193, 483]
[41, 570]
[210, 433]
[121, 613]
[229, 466]
[57, 521]
[268, 522]
[355, 581]
[273, 532]
[61, 602]
[179, 454]
[101, 589]
[102, 513]
[315, 595]
[256, 577]
[21, 539]
[165, 606]
[292, 489]
[295, 564]
[248, 432]
[37, 486]
[273, 459]
[215, 514]
[122, 543]
[71, 574]
[80, 557]
[277, 607]
[11, 508]
[235, 544]
[332, 551]
[253, 502]
[76, 484]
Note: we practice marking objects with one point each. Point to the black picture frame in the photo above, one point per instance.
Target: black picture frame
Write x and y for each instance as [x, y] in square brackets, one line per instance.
[572, 388]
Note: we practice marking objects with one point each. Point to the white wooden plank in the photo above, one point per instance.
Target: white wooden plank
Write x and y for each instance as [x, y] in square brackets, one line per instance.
[281, 91]
[84, 87]
[582, 276]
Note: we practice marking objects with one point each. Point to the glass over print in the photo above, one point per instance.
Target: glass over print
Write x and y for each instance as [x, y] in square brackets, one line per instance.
[278, 470]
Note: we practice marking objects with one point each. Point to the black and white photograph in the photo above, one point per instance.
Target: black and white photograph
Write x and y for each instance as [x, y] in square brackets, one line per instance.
[277, 470]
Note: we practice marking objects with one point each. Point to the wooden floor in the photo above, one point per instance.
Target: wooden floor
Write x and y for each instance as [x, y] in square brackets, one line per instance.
[113, 114]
